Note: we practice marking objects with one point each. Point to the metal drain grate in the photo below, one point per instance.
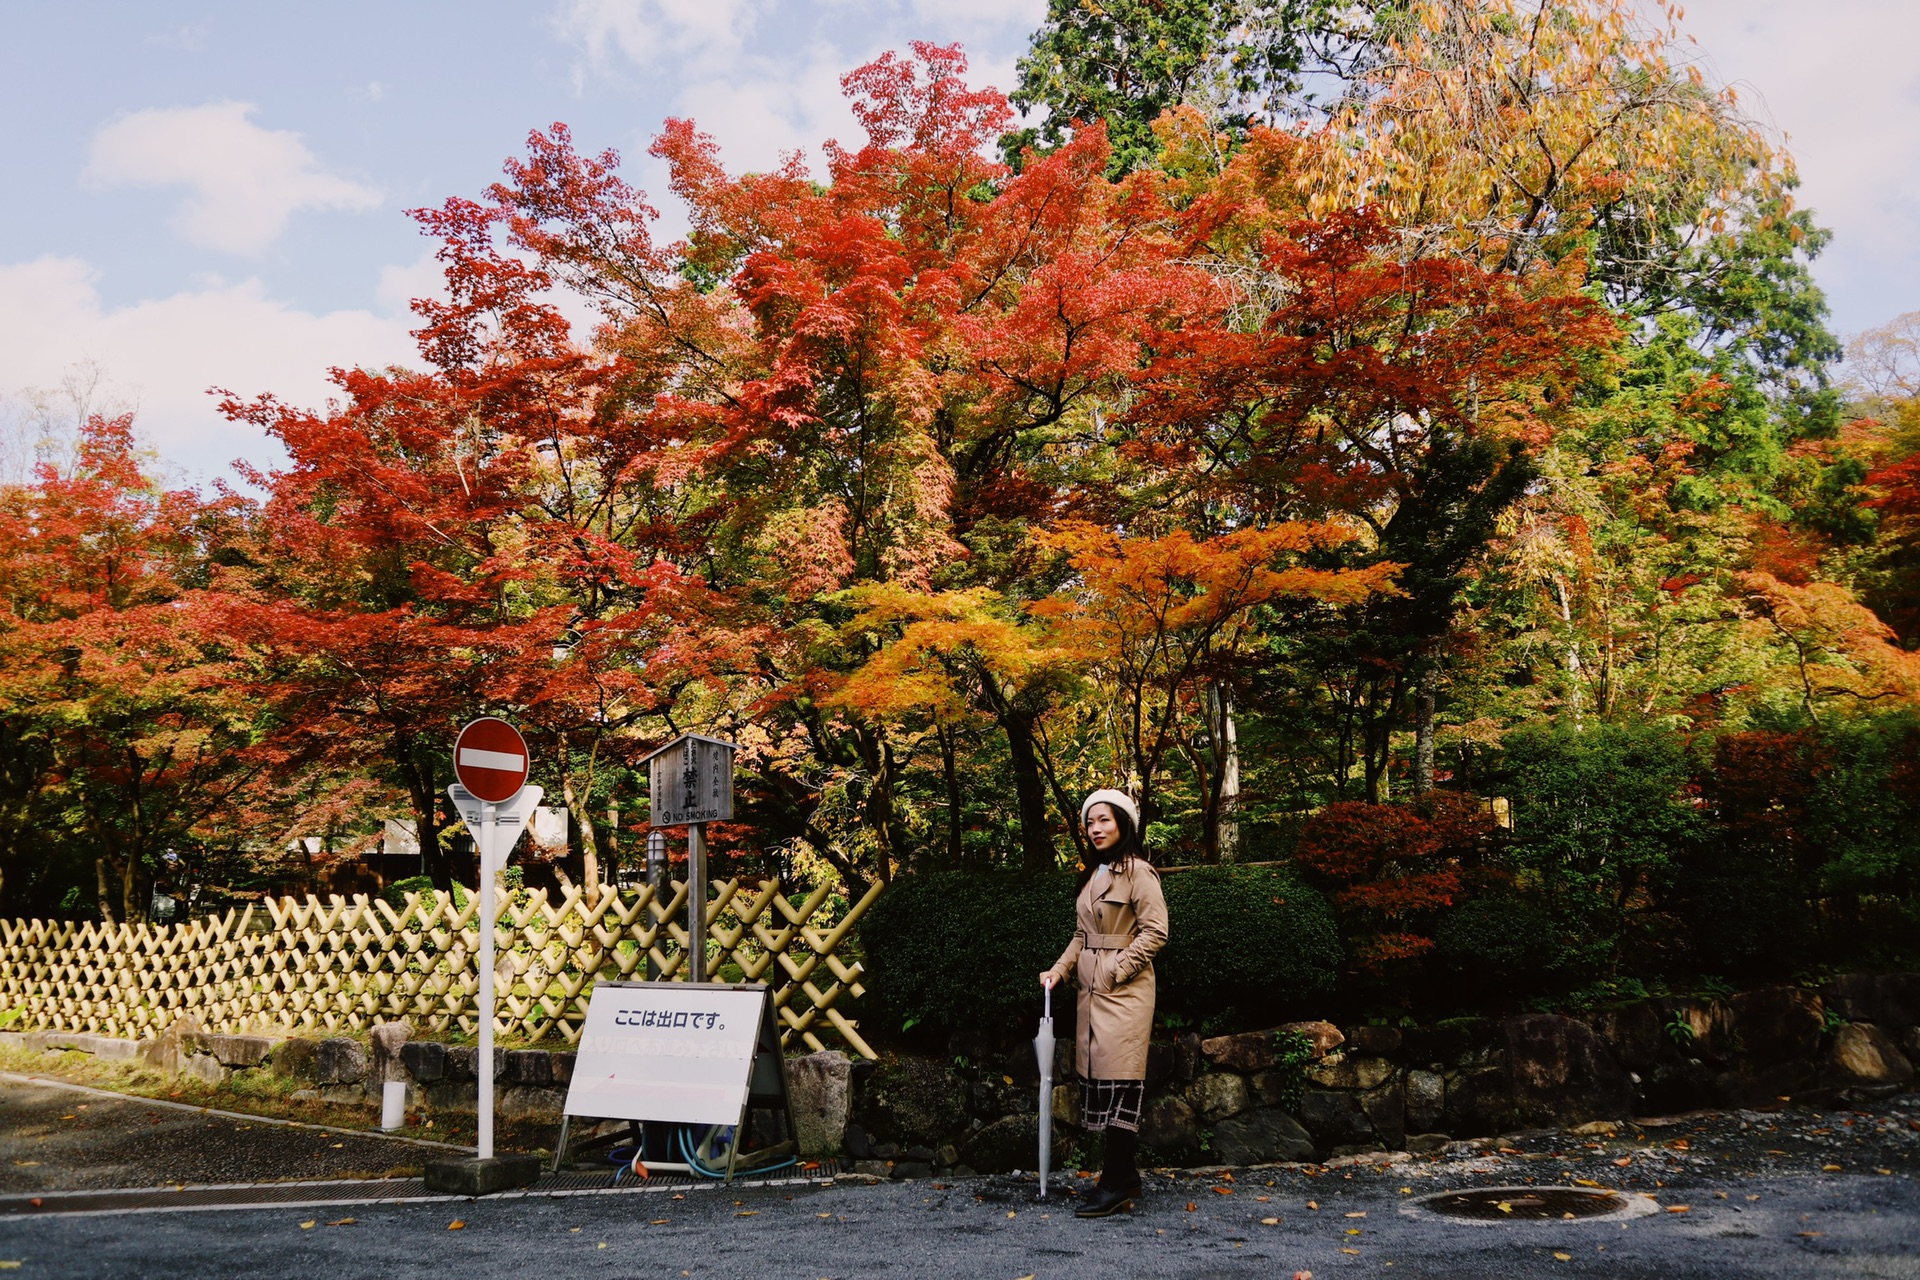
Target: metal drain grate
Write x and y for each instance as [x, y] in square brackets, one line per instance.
[1526, 1204]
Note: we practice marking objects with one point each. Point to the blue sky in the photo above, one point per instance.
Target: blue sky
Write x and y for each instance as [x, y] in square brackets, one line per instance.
[206, 194]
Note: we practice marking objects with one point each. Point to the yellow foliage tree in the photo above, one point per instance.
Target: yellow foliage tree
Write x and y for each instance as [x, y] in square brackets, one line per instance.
[1499, 125]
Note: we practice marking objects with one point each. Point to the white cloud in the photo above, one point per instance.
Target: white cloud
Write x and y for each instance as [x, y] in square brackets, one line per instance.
[166, 352]
[244, 181]
[657, 33]
[980, 15]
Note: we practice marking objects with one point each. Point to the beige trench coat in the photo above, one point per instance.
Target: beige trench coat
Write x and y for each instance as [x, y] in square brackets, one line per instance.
[1112, 956]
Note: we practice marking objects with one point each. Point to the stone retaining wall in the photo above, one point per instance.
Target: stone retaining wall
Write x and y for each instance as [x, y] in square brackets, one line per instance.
[1375, 1088]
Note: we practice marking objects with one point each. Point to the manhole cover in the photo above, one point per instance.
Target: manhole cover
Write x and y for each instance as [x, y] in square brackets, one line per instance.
[1505, 1204]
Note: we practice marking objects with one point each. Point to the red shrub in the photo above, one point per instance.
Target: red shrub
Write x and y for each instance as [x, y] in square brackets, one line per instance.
[1392, 868]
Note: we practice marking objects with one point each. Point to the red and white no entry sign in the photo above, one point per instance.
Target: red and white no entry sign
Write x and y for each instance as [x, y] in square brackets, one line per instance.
[490, 758]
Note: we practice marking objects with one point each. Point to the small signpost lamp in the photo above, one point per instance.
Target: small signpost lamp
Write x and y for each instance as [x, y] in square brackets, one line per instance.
[690, 783]
[492, 798]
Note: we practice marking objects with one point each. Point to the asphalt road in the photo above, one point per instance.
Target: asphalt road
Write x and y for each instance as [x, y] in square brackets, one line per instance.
[1794, 1195]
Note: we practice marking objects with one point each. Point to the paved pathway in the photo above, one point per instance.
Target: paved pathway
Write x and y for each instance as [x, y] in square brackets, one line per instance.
[1806, 1194]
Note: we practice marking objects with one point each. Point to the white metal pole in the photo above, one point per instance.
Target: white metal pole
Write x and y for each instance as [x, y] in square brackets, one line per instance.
[483, 1068]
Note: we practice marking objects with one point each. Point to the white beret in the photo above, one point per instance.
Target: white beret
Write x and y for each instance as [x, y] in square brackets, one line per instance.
[1118, 799]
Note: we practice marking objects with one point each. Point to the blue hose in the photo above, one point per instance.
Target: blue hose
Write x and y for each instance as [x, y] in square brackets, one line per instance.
[690, 1152]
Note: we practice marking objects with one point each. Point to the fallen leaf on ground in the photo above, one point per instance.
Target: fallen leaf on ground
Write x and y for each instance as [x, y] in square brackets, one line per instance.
[1191, 1206]
[1813, 1235]
[1564, 1257]
[1585, 1182]
[1225, 1191]
[823, 1215]
[9, 1264]
[1313, 1204]
[1504, 1207]
[307, 1225]
[1884, 1172]
[1350, 1251]
[1353, 1231]
[1679, 1208]
[1269, 1222]
[343, 1222]
[1010, 1213]
[1751, 1199]
[748, 1213]
[1303, 1275]
[1263, 1199]
[27, 1164]
[1829, 1168]
[1361, 1214]
[661, 1222]
[458, 1224]
[1623, 1162]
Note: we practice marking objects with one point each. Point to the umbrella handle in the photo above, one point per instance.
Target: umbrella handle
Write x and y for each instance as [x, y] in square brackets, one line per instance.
[1049, 990]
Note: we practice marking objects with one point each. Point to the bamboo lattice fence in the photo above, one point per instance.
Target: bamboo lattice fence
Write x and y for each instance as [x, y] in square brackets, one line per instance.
[347, 964]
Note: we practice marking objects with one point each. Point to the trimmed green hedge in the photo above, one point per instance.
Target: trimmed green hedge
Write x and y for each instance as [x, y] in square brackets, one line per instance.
[955, 949]
[1253, 937]
[950, 949]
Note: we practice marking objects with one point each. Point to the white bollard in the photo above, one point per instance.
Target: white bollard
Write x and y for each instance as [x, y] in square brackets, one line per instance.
[393, 1104]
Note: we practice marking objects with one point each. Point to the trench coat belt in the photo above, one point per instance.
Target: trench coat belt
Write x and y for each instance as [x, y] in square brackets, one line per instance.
[1109, 941]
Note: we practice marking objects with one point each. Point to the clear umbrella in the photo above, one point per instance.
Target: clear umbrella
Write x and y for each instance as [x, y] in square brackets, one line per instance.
[1043, 1050]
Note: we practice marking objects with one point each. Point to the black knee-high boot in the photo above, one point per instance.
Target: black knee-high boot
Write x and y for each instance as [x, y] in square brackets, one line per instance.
[1122, 1171]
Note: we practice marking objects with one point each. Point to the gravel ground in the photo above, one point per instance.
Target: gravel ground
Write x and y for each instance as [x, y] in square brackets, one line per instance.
[1735, 1194]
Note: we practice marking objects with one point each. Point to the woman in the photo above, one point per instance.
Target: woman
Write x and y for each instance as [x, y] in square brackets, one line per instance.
[1122, 922]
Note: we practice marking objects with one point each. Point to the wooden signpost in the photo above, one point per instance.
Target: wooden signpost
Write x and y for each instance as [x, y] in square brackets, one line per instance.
[686, 1056]
[690, 783]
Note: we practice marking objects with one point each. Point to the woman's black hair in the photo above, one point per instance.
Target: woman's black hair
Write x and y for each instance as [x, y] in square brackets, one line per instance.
[1127, 848]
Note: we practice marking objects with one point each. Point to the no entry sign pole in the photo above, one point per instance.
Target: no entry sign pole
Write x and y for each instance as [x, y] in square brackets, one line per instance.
[489, 826]
[490, 757]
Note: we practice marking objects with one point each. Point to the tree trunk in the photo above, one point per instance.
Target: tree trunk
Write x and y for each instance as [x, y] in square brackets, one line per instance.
[1423, 729]
[1029, 787]
[102, 889]
[612, 867]
[131, 909]
[950, 765]
[426, 817]
[1227, 813]
[582, 817]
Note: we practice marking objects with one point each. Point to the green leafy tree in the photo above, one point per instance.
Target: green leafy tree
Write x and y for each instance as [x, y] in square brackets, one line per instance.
[1603, 815]
[1125, 62]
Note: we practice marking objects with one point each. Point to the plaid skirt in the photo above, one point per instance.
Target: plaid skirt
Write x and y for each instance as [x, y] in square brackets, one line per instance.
[1112, 1102]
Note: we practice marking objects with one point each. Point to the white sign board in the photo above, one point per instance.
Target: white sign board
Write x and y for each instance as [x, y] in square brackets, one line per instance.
[690, 780]
[509, 820]
[667, 1051]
